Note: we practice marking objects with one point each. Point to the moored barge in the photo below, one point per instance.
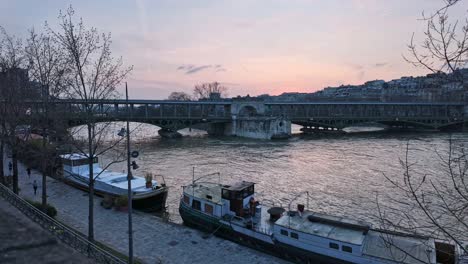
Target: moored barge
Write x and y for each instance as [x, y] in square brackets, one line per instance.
[303, 236]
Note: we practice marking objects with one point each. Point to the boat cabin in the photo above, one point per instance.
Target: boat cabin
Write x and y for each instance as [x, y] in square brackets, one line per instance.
[237, 197]
[219, 200]
[78, 164]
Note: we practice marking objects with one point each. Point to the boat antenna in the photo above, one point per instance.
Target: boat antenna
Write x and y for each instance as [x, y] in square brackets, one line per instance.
[193, 181]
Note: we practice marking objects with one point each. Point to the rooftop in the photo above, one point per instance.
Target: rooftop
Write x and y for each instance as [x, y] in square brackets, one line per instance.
[238, 186]
[205, 191]
[387, 246]
[331, 227]
[74, 156]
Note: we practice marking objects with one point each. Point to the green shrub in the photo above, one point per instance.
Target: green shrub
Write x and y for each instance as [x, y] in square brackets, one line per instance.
[121, 201]
[50, 210]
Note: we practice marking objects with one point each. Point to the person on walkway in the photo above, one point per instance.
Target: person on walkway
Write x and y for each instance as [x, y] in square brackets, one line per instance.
[10, 166]
[35, 187]
[28, 170]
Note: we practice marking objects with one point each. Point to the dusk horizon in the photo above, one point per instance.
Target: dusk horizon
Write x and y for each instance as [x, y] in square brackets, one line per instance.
[251, 47]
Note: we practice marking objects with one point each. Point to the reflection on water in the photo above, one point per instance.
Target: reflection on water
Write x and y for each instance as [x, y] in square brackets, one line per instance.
[343, 173]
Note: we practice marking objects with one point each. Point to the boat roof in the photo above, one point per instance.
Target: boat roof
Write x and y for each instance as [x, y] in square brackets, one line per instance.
[117, 179]
[206, 191]
[399, 248]
[238, 186]
[331, 227]
[74, 156]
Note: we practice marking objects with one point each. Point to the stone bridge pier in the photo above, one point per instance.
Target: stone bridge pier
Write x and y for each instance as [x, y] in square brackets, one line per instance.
[250, 120]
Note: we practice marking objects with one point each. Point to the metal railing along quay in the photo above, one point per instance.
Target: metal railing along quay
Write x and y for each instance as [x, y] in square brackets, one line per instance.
[75, 240]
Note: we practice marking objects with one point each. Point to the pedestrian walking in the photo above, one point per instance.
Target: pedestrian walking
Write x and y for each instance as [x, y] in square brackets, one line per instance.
[28, 170]
[10, 166]
[35, 187]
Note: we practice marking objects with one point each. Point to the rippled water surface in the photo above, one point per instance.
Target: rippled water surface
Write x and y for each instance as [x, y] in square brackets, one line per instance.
[343, 174]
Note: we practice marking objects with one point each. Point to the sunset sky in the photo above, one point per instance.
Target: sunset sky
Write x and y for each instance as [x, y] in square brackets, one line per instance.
[251, 46]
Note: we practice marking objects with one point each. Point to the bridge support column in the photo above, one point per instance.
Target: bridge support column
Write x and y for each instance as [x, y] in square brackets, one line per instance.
[260, 128]
[169, 133]
[219, 129]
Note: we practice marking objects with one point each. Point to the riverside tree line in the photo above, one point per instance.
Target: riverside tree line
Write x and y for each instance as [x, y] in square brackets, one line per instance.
[72, 61]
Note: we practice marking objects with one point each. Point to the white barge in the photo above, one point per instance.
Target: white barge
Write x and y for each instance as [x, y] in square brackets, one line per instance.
[304, 236]
[147, 196]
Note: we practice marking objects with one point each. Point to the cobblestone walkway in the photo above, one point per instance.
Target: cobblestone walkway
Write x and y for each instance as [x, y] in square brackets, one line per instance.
[155, 241]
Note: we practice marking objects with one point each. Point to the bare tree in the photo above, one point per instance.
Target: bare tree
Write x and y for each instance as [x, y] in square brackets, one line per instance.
[47, 67]
[14, 89]
[205, 90]
[93, 75]
[179, 96]
[445, 46]
[432, 205]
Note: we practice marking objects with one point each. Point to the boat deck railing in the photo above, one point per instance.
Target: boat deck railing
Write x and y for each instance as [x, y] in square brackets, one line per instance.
[70, 237]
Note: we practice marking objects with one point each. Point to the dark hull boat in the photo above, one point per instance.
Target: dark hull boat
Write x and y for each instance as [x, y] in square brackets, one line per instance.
[303, 236]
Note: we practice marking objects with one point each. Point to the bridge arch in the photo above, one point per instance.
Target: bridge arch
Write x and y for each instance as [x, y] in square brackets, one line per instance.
[248, 111]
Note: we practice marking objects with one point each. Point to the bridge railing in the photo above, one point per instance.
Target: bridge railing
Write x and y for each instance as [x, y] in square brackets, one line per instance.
[65, 234]
[147, 111]
[334, 111]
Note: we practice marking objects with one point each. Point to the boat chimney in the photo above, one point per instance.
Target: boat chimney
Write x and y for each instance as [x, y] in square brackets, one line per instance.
[300, 209]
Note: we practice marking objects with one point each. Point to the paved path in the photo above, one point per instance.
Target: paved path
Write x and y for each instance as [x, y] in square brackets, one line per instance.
[23, 241]
[155, 241]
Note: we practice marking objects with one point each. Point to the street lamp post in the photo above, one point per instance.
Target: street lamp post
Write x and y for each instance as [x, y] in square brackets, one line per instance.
[129, 179]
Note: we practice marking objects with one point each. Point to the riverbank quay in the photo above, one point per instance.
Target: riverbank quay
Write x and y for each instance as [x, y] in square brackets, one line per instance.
[24, 241]
[155, 241]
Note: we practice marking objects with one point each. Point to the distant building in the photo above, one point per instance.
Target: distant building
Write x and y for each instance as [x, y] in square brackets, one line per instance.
[17, 80]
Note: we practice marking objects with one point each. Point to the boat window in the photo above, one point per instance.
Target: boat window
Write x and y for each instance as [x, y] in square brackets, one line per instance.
[66, 162]
[245, 193]
[334, 245]
[209, 209]
[294, 235]
[120, 179]
[81, 162]
[284, 232]
[196, 205]
[347, 249]
[186, 199]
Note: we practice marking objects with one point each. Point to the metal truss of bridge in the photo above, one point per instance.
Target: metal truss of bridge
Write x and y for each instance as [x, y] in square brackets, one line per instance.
[258, 119]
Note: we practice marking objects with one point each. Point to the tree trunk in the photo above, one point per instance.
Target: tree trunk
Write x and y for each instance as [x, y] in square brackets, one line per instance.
[44, 168]
[2, 157]
[44, 152]
[14, 160]
[91, 185]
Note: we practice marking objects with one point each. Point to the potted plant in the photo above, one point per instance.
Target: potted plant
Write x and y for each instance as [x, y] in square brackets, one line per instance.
[121, 203]
[149, 180]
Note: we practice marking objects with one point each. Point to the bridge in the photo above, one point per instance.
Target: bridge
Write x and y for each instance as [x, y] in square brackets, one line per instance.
[263, 119]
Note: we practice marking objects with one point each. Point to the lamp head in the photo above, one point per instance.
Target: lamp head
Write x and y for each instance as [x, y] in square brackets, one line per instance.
[134, 165]
[122, 132]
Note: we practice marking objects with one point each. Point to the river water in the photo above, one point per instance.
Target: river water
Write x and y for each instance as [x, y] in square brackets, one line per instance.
[342, 173]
